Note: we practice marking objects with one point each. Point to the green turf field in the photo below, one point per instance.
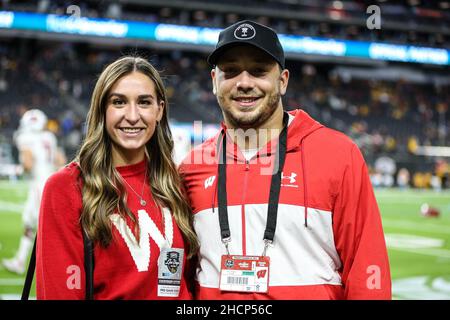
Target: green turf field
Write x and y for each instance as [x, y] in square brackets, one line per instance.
[419, 247]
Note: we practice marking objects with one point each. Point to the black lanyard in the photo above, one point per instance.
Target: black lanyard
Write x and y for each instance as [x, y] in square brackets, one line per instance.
[275, 186]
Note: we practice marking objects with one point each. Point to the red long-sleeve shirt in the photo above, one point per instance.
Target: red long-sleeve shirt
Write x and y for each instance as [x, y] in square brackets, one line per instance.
[341, 254]
[118, 274]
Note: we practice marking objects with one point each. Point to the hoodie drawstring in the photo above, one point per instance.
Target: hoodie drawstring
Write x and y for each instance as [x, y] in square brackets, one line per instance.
[305, 191]
[215, 191]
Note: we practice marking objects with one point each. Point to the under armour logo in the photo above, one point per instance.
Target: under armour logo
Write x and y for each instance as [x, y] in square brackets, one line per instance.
[209, 181]
[291, 177]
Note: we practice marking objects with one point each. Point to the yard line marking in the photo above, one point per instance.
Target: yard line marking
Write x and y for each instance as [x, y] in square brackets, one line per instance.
[409, 225]
[417, 244]
[417, 288]
[441, 284]
[441, 253]
[409, 241]
[10, 207]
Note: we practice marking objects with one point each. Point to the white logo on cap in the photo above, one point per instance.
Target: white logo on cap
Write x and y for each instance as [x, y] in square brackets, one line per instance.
[245, 31]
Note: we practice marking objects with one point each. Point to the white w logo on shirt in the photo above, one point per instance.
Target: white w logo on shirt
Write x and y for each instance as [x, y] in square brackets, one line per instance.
[209, 181]
[140, 252]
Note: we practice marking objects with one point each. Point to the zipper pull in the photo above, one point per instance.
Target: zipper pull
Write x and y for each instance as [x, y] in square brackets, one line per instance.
[247, 165]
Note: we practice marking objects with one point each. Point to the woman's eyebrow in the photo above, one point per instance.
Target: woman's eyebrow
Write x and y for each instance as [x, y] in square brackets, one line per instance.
[120, 95]
[116, 94]
[144, 96]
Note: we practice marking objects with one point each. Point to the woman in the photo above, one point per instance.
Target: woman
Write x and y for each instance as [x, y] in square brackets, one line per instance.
[124, 192]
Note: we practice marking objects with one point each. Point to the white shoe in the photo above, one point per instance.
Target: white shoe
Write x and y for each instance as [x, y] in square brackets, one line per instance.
[14, 265]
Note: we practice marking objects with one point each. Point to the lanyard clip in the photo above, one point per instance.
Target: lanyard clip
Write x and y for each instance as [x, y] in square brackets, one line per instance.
[226, 241]
[267, 242]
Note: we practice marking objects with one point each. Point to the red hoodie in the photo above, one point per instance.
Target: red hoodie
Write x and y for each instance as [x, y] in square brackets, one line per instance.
[329, 241]
[118, 274]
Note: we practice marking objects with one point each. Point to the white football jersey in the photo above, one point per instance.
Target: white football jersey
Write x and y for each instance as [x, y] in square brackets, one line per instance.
[181, 143]
[43, 146]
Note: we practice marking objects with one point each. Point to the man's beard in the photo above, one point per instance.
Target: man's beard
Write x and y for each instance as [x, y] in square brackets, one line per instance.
[248, 120]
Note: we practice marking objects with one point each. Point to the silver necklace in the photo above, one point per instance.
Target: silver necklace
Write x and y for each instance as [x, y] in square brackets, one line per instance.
[141, 199]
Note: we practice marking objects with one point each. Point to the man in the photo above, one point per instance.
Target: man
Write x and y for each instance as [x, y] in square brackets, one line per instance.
[39, 157]
[308, 228]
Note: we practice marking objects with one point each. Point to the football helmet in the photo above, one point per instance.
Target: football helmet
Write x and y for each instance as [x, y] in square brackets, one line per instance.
[33, 120]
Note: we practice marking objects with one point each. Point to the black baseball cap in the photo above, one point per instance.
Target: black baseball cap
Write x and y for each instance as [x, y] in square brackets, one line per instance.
[248, 32]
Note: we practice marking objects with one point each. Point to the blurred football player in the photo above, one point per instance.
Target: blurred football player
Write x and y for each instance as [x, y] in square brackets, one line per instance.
[181, 143]
[40, 157]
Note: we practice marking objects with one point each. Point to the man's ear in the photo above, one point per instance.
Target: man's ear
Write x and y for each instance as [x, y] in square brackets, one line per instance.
[284, 79]
[213, 79]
